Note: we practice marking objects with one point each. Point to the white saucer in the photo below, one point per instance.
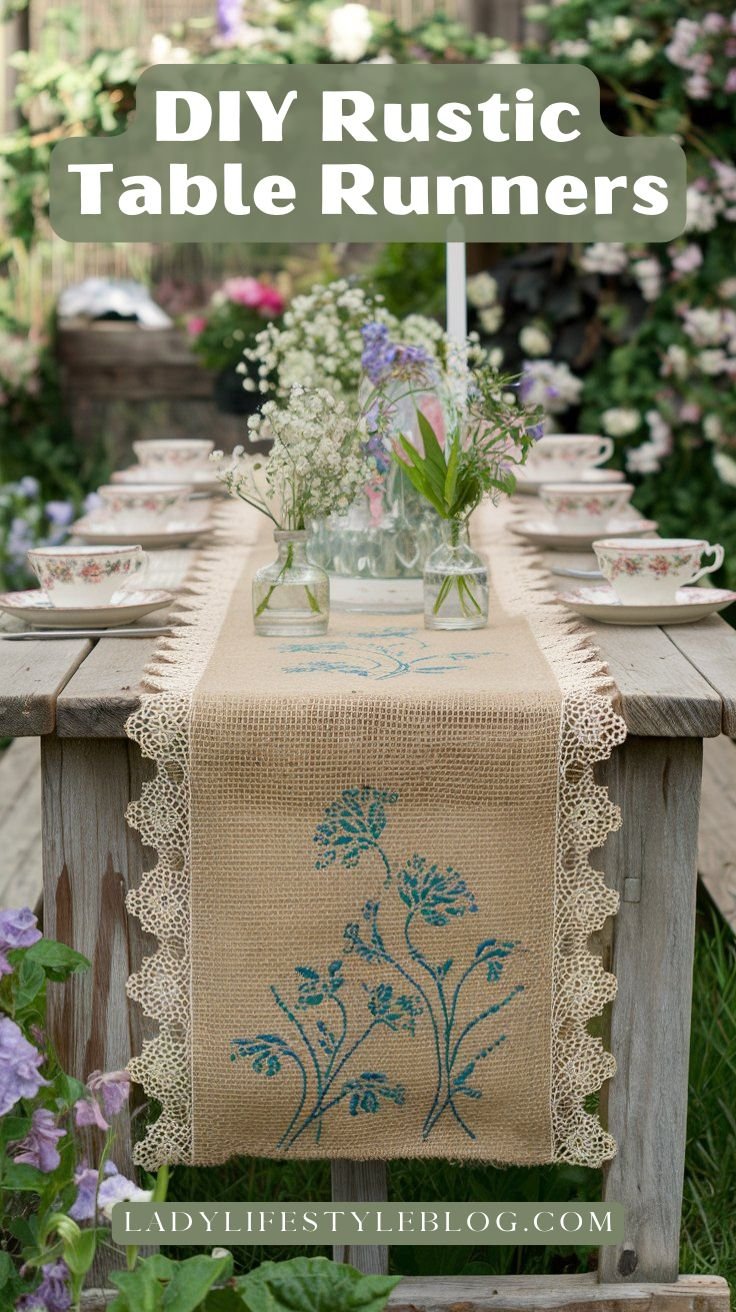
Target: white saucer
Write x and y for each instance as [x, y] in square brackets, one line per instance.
[103, 533]
[601, 603]
[35, 609]
[544, 533]
[529, 485]
[200, 480]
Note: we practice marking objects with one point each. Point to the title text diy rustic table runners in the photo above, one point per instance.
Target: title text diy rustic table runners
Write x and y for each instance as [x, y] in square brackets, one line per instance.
[373, 892]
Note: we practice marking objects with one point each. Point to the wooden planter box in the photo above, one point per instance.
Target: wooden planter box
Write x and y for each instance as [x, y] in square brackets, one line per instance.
[122, 382]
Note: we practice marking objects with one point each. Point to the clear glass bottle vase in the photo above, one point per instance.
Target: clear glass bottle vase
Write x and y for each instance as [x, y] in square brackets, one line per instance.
[291, 596]
[455, 582]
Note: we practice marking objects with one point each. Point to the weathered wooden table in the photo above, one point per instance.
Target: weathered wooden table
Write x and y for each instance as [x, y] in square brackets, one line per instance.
[676, 686]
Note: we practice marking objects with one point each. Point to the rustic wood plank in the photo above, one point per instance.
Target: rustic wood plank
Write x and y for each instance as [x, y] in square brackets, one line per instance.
[717, 834]
[31, 676]
[656, 781]
[360, 1182]
[532, 1294]
[565, 1293]
[662, 690]
[20, 824]
[105, 690]
[710, 646]
[91, 857]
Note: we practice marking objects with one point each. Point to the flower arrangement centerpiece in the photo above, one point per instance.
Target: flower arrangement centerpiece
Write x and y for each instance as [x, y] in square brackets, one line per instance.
[236, 313]
[316, 466]
[342, 338]
[454, 471]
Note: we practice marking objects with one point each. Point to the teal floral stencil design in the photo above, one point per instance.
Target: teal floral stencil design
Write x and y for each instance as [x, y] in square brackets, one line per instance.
[412, 993]
[373, 654]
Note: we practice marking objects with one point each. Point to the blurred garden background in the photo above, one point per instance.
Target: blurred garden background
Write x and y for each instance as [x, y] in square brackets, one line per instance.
[637, 343]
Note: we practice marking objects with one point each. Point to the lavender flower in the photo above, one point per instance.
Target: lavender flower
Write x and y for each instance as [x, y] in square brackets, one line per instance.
[91, 502]
[19, 540]
[87, 1113]
[39, 1146]
[60, 513]
[383, 359]
[114, 1088]
[19, 1064]
[53, 1293]
[86, 1179]
[113, 1188]
[29, 486]
[18, 929]
[229, 18]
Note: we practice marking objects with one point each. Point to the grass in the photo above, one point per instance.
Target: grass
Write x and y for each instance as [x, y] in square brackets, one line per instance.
[709, 1215]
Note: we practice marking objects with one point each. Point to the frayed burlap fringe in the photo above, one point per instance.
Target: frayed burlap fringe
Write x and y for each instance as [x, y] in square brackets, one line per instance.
[589, 730]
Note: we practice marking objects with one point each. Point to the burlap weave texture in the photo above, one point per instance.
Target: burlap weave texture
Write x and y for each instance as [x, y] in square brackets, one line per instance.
[382, 933]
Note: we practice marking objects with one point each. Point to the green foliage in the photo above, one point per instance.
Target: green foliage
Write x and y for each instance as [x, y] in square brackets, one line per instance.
[158, 1284]
[410, 276]
[313, 1284]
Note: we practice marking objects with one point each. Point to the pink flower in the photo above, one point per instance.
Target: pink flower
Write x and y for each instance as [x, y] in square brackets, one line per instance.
[687, 260]
[690, 413]
[731, 80]
[272, 302]
[243, 291]
[254, 295]
[196, 325]
[39, 1146]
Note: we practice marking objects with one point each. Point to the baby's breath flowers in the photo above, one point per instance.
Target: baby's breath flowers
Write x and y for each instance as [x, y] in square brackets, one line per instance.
[317, 464]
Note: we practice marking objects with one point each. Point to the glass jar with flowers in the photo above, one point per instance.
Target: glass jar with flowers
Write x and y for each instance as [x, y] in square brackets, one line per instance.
[454, 472]
[315, 468]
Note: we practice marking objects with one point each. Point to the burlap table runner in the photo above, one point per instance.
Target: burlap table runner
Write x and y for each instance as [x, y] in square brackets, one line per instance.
[373, 893]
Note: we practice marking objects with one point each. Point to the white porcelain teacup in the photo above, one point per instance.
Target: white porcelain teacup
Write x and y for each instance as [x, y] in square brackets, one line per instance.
[581, 508]
[184, 454]
[87, 576]
[138, 506]
[567, 456]
[649, 571]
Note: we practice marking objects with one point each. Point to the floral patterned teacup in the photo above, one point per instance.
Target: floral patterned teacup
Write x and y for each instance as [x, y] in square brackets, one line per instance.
[567, 456]
[87, 576]
[137, 506]
[577, 508]
[181, 454]
[649, 571]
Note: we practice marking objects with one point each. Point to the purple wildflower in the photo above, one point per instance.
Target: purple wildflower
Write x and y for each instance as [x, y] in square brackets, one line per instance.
[87, 1112]
[114, 1088]
[19, 540]
[113, 1188]
[19, 1063]
[53, 1293]
[229, 18]
[91, 502]
[86, 1180]
[39, 1146]
[18, 929]
[383, 359]
[29, 486]
[60, 513]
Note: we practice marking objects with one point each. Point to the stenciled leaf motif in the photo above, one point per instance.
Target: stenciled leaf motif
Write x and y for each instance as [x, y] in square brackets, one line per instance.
[399, 1011]
[439, 896]
[352, 825]
[265, 1053]
[495, 954]
[314, 988]
[367, 1091]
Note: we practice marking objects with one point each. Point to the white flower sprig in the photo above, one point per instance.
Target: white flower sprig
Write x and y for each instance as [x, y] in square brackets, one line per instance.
[316, 466]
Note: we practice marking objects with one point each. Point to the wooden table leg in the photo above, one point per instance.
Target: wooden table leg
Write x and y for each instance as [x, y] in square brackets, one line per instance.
[360, 1182]
[652, 862]
[90, 859]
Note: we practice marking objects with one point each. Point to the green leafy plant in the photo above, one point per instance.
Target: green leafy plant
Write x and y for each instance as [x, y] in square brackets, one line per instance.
[313, 1284]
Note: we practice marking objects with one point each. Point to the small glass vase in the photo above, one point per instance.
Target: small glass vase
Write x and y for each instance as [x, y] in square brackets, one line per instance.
[291, 596]
[455, 582]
